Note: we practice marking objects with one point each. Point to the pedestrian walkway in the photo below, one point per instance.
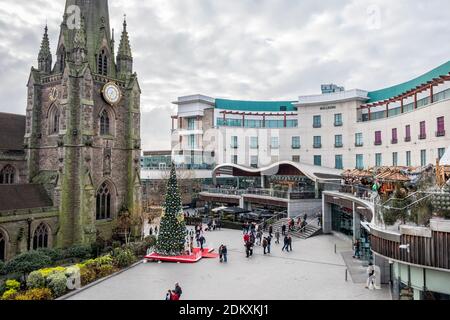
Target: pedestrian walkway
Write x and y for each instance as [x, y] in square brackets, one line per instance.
[312, 271]
[355, 267]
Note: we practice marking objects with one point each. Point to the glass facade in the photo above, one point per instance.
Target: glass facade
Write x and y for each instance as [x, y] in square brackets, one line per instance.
[342, 220]
[256, 123]
[274, 143]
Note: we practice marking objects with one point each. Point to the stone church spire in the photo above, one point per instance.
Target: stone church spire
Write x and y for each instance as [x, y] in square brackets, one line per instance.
[79, 45]
[45, 55]
[124, 56]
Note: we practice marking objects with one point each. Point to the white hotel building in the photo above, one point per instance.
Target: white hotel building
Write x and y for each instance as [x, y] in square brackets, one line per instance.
[403, 125]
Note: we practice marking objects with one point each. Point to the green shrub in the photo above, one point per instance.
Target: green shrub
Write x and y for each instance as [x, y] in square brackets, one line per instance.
[54, 254]
[57, 282]
[36, 294]
[9, 294]
[105, 270]
[12, 284]
[27, 262]
[123, 257]
[79, 252]
[36, 280]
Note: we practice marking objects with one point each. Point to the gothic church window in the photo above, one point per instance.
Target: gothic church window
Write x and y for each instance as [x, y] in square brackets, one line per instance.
[104, 123]
[40, 238]
[7, 175]
[53, 119]
[103, 63]
[103, 202]
[2, 246]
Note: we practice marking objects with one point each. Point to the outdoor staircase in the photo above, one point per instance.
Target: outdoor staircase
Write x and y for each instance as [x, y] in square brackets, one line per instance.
[311, 229]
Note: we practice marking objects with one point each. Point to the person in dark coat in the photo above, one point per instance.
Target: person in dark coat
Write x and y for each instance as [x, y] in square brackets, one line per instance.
[289, 242]
[264, 244]
[248, 248]
[283, 230]
[285, 244]
[270, 230]
[269, 242]
[202, 241]
[178, 290]
[225, 253]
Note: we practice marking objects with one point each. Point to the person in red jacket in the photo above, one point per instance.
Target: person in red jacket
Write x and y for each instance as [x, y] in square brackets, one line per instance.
[246, 238]
[174, 296]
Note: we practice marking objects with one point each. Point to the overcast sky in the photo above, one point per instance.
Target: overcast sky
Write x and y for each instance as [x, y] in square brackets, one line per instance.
[241, 49]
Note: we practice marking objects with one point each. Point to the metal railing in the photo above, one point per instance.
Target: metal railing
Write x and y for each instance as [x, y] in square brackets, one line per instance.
[291, 195]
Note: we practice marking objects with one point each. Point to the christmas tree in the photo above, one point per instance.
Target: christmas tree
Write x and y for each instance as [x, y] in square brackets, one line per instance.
[172, 233]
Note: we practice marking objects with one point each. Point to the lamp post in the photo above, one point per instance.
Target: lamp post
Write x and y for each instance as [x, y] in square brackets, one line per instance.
[29, 221]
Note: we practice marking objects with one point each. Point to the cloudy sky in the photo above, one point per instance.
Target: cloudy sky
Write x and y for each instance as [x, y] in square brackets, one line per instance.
[241, 49]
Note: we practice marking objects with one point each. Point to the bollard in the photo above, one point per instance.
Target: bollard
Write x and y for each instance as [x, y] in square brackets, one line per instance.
[335, 248]
[346, 275]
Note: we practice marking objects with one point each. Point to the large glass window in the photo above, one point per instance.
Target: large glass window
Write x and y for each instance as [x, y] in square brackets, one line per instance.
[441, 152]
[359, 139]
[378, 160]
[191, 141]
[254, 161]
[274, 143]
[234, 142]
[191, 123]
[359, 161]
[408, 133]
[394, 136]
[342, 220]
[423, 157]
[408, 158]
[295, 142]
[440, 127]
[378, 138]
[254, 143]
[338, 162]
[317, 142]
[423, 130]
[338, 120]
[317, 121]
[104, 123]
[338, 141]
[318, 161]
[395, 159]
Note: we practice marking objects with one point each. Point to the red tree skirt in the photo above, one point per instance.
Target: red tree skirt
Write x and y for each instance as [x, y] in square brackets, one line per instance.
[196, 256]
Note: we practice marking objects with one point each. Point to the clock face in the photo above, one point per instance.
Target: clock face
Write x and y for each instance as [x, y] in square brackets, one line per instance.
[111, 93]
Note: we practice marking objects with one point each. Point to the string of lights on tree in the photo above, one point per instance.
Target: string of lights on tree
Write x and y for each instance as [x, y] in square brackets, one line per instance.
[171, 239]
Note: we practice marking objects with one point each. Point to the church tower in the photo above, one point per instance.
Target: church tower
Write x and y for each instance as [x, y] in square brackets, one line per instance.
[83, 125]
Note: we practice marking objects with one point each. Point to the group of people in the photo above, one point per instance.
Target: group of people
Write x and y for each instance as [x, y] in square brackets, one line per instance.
[175, 294]
[214, 225]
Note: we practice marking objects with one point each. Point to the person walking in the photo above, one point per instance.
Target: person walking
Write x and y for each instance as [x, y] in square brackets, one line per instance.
[225, 253]
[259, 236]
[370, 276]
[305, 217]
[264, 244]
[289, 242]
[270, 230]
[246, 238]
[269, 242]
[285, 244]
[277, 236]
[202, 240]
[356, 246]
[283, 230]
[248, 248]
[319, 221]
[169, 295]
[252, 239]
[220, 254]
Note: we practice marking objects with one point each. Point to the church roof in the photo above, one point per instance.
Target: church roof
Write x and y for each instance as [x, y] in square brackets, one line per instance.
[23, 196]
[12, 131]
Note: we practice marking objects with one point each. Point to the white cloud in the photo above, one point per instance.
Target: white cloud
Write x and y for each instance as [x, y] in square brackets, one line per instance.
[243, 49]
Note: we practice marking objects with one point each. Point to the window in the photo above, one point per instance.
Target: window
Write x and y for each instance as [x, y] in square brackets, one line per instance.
[423, 157]
[408, 133]
[359, 140]
[394, 159]
[295, 158]
[338, 120]
[317, 142]
[359, 161]
[104, 123]
[234, 142]
[191, 123]
[317, 121]
[378, 141]
[234, 159]
[338, 163]
[440, 127]
[254, 143]
[103, 202]
[423, 131]
[338, 141]
[40, 238]
[408, 158]
[274, 143]
[102, 63]
[254, 161]
[62, 59]
[318, 161]
[394, 136]
[2, 246]
[53, 119]
[191, 141]
[441, 152]
[7, 175]
[295, 142]
[378, 159]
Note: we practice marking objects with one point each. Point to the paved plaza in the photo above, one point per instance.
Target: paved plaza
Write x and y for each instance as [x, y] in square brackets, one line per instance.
[312, 271]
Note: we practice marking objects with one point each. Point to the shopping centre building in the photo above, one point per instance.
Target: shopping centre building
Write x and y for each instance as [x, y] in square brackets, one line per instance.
[288, 154]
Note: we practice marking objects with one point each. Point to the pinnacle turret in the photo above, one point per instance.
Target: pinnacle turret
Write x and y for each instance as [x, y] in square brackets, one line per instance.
[45, 55]
[124, 55]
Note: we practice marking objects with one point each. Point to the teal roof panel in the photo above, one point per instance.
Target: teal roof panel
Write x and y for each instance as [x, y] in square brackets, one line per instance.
[255, 106]
[397, 90]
